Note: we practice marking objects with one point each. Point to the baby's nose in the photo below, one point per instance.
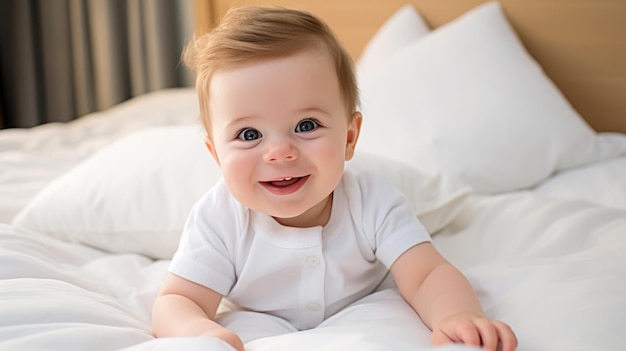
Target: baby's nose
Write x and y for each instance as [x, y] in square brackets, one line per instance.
[281, 150]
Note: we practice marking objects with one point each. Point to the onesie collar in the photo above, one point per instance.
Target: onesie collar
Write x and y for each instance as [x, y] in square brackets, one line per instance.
[290, 237]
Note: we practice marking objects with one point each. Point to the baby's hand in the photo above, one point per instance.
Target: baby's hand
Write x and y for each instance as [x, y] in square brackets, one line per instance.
[474, 330]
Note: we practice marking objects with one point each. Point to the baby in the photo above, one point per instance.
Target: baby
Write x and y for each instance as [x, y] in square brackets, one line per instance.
[287, 234]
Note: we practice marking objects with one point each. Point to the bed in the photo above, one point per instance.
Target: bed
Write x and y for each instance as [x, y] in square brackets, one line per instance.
[503, 123]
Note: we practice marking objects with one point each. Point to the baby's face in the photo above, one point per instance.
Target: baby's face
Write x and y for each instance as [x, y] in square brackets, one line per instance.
[281, 134]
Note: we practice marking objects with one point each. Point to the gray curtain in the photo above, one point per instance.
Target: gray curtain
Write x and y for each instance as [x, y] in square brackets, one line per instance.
[62, 59]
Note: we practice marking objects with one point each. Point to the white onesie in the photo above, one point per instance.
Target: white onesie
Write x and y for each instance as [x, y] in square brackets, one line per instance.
[303, 275]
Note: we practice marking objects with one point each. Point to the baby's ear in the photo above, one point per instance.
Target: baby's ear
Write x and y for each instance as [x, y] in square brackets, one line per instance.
[209, 145]
[353, 134]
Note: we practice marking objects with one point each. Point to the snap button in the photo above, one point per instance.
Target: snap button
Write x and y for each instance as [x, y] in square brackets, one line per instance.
[312, 261]
[313, 306]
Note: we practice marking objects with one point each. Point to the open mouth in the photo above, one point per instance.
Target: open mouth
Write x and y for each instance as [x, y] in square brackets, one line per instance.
[285, 185]
[285, 181]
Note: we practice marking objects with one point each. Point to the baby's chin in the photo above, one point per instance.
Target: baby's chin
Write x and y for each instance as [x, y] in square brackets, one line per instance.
[280, 213]
[292, 216]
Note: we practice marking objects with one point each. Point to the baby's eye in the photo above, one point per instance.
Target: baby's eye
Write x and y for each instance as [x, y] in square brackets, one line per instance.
[249, 134]
[307, 125]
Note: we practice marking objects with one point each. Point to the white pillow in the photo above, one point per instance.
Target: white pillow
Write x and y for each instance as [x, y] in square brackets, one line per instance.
[135, 194]
[132, 196]
[404, 27]
[468, 100]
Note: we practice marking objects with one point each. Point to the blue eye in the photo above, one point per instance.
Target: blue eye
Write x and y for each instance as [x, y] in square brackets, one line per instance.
[249, 134]
[307, 125]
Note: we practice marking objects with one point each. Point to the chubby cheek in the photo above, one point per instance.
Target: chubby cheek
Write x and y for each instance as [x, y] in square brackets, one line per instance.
[328, 156]
[237, 168]
[335, 146]
[331, 153]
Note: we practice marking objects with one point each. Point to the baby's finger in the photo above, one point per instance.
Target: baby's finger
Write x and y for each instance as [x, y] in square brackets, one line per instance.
[506, 335]
[469, 334]
[488, 334]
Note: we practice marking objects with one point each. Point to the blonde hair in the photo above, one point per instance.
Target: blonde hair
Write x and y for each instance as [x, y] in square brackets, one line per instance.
[252, 33]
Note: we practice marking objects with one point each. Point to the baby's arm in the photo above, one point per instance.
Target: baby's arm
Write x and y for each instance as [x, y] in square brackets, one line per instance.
[446, 302]
[184, 308]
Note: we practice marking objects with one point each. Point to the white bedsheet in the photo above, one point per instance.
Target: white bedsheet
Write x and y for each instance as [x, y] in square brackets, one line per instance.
[549, 261]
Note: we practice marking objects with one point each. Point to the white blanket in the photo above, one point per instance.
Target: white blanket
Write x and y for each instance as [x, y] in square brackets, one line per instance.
[552, 269]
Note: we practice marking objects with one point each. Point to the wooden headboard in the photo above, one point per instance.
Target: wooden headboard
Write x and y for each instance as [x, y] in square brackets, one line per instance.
[581, 44]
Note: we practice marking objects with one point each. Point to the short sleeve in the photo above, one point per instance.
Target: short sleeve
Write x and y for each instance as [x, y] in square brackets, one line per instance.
[387, 218]
[205, 253]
